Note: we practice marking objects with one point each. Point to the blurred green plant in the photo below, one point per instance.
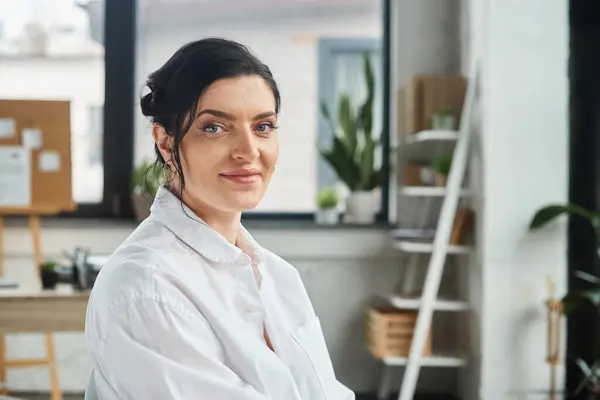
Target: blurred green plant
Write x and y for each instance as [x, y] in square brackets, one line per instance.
[327, 198]
[442, 164]
[48, 265]
[352, 153]
[575, 299]
[146, 177]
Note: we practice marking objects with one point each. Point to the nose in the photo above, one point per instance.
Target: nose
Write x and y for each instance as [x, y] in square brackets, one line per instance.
[245, 146]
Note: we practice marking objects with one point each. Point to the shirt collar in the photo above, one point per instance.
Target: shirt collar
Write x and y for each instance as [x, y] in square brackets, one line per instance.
[185, 224]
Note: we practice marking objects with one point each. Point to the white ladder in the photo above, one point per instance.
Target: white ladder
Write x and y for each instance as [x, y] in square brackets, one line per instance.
[439, 250]
[441, 240]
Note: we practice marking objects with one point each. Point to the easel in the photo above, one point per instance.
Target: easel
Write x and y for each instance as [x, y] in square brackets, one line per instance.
[50, 360]
[555, 313]
[51, 193]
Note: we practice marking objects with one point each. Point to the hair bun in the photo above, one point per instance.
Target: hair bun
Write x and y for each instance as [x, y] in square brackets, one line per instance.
[147, 105]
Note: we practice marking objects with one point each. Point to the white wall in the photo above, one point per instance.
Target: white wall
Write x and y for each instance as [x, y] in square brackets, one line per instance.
[523, 147]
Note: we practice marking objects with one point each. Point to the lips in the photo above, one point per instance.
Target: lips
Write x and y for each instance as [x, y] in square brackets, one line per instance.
[242, 176]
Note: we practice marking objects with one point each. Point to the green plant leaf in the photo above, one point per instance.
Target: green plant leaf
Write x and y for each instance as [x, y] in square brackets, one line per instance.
[573, 300]
[375, 179]
[442, 164]
[366, 163]
[342, 163]
[327, 115]
[365, 119]
[587, 277]
[549, 213]
[591, 375]
[327, 198]
[347, 121]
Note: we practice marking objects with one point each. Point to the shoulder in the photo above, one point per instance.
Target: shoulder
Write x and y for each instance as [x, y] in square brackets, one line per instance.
[142, 270]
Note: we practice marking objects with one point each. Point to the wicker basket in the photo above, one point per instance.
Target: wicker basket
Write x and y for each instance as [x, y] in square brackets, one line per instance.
[390, 332]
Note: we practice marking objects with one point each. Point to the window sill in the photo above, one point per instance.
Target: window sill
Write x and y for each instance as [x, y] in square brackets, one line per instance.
[267, 224]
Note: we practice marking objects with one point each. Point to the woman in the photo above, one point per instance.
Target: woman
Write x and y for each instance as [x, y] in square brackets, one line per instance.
[190, 306]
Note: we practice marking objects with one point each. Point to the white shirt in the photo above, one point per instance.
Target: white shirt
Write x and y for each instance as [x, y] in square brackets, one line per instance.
[179, 313]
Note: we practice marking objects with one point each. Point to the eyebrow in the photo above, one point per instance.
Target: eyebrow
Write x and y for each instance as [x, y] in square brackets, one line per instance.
[230, 117]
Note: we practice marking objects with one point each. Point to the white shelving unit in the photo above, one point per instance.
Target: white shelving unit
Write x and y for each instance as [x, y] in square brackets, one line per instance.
[432, 243]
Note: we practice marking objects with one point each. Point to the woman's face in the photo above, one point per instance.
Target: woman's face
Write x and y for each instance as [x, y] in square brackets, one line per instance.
[228, 156]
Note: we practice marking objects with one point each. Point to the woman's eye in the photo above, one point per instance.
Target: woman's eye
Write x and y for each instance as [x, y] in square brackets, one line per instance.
[212, 129]
[265, 127]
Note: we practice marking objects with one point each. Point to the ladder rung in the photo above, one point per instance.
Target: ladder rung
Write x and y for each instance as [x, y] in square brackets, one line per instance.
[431, 136]
[417, 247]
[428, 191]
[435, 360]
[24, 363]
[412, 303]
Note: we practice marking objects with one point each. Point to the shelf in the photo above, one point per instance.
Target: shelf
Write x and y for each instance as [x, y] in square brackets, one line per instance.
[417, 247]
[431, 136]
[443, 361]
[413, 303]
[413, 233]
[427, 191]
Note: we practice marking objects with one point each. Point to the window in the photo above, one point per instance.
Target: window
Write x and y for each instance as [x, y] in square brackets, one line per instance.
[53, 50]
[302, 42]
[341, 71]
[59, 49]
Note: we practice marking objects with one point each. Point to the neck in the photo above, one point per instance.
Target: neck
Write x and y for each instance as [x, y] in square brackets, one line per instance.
[225, 223]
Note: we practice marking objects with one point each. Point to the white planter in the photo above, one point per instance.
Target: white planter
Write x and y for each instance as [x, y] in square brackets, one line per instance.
[443, 122]
[361, 208]
[327, 216]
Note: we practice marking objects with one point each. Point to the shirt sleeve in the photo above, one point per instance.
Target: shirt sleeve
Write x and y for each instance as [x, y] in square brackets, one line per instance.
[159, 351]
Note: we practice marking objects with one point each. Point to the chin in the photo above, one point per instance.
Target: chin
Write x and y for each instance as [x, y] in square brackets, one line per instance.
[243, 202]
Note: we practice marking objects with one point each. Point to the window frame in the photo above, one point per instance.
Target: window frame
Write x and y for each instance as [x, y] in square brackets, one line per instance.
[119, 119]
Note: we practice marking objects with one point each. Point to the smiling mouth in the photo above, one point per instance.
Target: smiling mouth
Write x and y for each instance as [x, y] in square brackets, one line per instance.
[242, 176]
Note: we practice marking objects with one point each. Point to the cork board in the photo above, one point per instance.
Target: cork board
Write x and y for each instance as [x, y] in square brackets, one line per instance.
[51, 187]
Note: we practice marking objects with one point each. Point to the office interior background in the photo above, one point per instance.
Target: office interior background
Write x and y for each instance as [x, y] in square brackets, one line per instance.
[484, 114]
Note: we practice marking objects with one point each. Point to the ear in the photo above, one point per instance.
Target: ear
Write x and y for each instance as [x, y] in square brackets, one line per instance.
[163, 141]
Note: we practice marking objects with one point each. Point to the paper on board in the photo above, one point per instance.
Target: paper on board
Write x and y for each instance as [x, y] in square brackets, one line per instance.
[15, 176]
[49, 161]
[7, 128]
[32, 138]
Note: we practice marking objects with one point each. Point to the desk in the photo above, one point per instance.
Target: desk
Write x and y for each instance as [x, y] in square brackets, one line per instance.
[30, 310]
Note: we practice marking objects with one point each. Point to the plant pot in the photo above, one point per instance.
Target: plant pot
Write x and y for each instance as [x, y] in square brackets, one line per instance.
[440, 179]
[49, 279]
[443, 122]
[141, 206]
[361, 208]
[327, 216]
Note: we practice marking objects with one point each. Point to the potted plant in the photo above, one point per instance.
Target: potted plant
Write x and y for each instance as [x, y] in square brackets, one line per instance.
[49, 274]
[443, 119]
[590, 384]
[327, 212]
[145, 180]
[441, 166]
[353, 151]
